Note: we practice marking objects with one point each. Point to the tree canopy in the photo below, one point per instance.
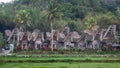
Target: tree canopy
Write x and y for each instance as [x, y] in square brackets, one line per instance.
[74, 13]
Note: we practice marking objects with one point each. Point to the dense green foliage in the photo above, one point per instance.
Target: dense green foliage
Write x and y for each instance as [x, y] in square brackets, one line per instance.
[73, 13]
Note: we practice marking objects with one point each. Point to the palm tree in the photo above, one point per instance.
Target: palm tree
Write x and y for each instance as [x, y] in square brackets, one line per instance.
[91, 24]
[52, 15]
[23, 20]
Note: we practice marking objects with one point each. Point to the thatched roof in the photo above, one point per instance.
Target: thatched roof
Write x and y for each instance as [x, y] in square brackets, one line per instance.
[48, 35]
[75, 35]
[61, 36]
[7, 32]
[66, 31]
[36, 30]
[87, 31]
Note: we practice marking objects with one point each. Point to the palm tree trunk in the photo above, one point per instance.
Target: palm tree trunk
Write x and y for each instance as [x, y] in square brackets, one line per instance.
[93, 38]
[18, 37]
[52, 36]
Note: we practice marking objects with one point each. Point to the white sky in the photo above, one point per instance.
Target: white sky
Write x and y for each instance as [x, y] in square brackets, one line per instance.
[5, 1]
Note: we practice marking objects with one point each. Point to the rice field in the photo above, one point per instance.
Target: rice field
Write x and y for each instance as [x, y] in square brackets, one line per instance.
[60, 61]
[60, 65]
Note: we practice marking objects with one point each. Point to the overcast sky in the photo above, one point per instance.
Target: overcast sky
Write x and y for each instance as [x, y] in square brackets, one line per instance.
[5, 1]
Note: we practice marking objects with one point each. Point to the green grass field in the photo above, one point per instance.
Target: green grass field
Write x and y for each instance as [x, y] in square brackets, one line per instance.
[57, 64]
[16, 58]
[60, 61]
[61, 65]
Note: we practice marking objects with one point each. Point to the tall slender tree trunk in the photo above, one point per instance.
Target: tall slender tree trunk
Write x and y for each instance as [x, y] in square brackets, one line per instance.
[93, 38]
[52, 36]
[18, 38]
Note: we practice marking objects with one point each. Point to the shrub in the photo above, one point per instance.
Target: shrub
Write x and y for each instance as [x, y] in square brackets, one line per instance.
[62, 50]
[74, 49]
